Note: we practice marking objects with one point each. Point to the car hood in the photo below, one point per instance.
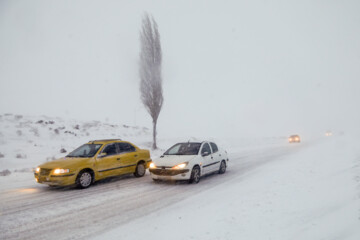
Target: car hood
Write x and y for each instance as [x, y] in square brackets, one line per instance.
[64, 162]
[172, 160]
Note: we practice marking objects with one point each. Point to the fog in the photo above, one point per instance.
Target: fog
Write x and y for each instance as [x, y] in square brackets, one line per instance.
[230, 68]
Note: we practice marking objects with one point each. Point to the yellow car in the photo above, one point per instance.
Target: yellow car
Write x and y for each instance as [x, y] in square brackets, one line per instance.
[294, 139]
[94, 161]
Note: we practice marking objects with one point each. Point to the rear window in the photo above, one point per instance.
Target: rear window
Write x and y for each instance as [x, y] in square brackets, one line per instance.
[214, 147]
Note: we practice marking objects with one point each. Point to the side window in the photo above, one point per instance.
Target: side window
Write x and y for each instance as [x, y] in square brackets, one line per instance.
[110, 149]
[206, 148]
[126, 147]
[214, 147]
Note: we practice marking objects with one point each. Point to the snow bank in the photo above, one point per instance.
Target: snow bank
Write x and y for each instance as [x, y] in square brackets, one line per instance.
[26, 141]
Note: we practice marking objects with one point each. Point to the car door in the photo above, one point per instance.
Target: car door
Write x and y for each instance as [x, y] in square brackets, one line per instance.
[206, 154]
[216, 154]
[107, 162]
[128, 157]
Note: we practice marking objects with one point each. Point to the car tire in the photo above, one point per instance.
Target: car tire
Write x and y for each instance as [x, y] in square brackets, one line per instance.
[84, 179]
[222, 168]
[140, 170]
[195, 175]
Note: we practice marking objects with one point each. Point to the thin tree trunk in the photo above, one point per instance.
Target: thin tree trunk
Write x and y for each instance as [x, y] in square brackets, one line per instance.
[150, 70]
[154, 135]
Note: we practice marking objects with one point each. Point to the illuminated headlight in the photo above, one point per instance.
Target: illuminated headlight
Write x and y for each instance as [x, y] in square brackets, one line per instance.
[152, 165]
[180, 166]
[37, 170]
[59, 171]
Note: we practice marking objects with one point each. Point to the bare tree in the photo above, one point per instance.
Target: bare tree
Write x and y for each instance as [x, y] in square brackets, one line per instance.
[150, 70]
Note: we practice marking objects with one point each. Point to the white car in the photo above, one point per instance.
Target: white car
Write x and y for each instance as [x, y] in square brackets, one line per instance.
[189, 161]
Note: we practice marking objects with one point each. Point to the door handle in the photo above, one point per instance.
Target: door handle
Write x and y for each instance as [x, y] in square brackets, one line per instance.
[118, 159]
[212, 158]
[135, 155]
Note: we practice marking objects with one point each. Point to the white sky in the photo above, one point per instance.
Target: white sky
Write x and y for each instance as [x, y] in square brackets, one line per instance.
[230, 68]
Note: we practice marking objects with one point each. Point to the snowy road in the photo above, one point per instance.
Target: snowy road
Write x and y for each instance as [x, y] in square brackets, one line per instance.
[39, 212]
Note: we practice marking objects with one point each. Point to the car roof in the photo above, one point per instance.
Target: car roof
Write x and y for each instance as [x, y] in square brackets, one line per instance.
[189, 142]
[105, 141]
[294, 136]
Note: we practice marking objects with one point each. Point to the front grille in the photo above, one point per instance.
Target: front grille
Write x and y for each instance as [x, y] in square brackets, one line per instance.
[168, 172]
[45, 171]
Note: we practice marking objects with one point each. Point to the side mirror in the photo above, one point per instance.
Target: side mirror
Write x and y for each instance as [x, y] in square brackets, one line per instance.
[103, 154]
[204, 154]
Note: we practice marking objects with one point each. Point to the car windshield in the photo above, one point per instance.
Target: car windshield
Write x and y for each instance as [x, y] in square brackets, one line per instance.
[184, 149]
[86, 150]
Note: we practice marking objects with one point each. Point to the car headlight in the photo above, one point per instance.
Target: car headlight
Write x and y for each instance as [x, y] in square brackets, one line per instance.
[180, 166]
[37, 170]
[152, 165]
[60, 170]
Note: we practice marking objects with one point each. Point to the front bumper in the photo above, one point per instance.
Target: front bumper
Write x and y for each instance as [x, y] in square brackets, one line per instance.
[56, 180]
[170, 174]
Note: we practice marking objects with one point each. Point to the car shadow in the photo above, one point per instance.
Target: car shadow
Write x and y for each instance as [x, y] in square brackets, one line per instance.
[101, 182]
[185, 182]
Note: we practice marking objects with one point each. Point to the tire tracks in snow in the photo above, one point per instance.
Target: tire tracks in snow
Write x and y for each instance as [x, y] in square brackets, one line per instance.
[76, 214]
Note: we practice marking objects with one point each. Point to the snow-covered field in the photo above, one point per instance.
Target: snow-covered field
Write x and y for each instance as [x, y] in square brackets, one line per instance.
[310, 191]
[271, 190]
[26, 141]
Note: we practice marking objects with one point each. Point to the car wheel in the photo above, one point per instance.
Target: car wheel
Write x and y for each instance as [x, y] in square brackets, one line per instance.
[140, 170]
[222, 168]
[195, 175]
[84, 179]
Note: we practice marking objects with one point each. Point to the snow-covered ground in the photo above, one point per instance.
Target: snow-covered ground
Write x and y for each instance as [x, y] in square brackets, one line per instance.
[312, 192]
[271, 190]
[26, 141]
